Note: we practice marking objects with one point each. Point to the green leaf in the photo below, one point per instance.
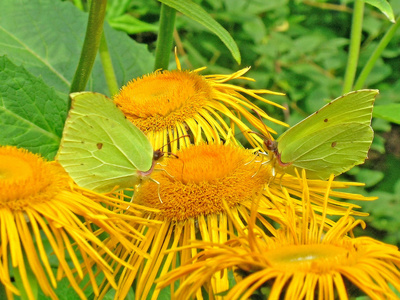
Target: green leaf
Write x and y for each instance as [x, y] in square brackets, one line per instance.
[390, 112]
[384, 7]
[198, 14]
[131, 25]
[117, 8]
[369, 177]
[46, 37]
[31, 114]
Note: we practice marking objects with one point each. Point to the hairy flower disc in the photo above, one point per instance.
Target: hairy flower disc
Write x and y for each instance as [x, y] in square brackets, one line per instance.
[202, 178]
[161, 99]
[27, 179]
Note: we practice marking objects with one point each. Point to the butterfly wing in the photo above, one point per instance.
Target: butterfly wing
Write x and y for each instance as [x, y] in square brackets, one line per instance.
[100, 148]
[333, 139]
[335, 149]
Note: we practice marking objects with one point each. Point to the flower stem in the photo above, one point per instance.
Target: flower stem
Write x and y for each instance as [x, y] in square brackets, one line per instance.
[355, 41]
[376, 54]
[165, 37]
[106, 61]
[91, 44]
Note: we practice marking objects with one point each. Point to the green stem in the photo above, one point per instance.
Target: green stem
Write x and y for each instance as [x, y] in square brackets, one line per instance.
[165, 37]
[355, 41]
[376, 54]
[91, 44]
[106, 61]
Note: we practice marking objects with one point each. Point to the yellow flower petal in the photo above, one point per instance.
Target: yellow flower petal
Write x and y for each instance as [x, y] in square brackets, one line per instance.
[40, 204]
[302, 260]
[208, 193]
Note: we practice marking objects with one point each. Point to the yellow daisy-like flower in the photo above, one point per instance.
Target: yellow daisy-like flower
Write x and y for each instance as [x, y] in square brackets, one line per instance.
[300, 261]
[169, 104]
[190, 195]
[40, 205]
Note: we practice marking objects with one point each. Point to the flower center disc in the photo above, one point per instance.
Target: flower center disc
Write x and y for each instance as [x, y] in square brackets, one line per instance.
[14, 168]
[160, 100]
[308, 258]
[202, 178]
[25, 178]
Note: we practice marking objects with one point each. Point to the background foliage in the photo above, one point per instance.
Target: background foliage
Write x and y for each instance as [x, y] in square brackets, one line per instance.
[296, 47]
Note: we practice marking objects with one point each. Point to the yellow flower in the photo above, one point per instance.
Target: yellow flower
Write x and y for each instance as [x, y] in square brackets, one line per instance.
[39, 205]
[169, 104]
[302, 260]
[195, 193]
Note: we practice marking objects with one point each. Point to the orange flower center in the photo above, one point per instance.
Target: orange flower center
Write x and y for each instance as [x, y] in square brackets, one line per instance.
[14, 167]
[25, 178]
[158, 101]
[202, 178]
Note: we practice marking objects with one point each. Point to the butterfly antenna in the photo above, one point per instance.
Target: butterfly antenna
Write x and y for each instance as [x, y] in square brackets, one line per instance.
[269, 136]
[257, 133]
[170, 153]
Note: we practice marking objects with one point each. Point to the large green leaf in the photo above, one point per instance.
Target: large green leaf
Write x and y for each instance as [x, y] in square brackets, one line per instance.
[198, 14]
[31, 113]
[46, 37]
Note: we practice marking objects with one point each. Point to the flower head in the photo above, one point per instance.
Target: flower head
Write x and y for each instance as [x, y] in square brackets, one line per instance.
[170, 104]
[39, 204]
[302, 260]
[197, 183]
[195, 193]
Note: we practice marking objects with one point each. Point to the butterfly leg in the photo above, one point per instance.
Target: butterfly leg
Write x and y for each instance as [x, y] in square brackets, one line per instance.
[262, 163]
[133, 195]
[253, 159]
[164, 170]
[280, 179]
[158, 189]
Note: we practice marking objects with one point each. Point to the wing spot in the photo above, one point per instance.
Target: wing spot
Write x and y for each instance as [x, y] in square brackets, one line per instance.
[333, 144]
[99, 145]
[326, 120]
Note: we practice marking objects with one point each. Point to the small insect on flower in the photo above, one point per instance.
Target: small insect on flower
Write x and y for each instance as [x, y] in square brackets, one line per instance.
[100, 148]
[331, 140]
